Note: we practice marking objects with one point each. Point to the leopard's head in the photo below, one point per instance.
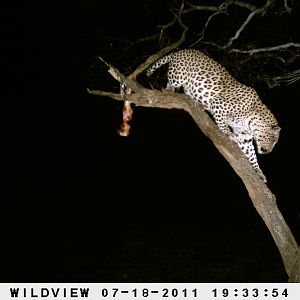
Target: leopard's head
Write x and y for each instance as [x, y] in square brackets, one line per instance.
[266, 138]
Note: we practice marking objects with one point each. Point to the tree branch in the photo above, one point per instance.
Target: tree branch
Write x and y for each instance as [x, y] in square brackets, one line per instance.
[267, 49]
[221, 9]
[254, 11]
[295, 274]
[151, 59]
[258, 11]
[246, 22]
[287, 78]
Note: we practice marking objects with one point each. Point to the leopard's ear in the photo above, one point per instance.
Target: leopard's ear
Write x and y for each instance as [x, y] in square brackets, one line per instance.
[276, 129]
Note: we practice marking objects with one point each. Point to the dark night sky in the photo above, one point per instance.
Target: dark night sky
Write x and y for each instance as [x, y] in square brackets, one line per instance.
[161, 205]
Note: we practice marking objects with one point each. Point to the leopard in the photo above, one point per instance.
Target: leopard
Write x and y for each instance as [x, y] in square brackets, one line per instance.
[235, 107]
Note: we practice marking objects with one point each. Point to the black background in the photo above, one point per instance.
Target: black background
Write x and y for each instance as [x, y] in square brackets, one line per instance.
[86, 205]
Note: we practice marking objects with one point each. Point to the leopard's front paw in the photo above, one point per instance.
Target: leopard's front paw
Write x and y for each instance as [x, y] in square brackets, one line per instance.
[261, 175]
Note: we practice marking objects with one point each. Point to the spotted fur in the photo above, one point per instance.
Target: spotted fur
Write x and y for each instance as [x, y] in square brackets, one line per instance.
[236, 108]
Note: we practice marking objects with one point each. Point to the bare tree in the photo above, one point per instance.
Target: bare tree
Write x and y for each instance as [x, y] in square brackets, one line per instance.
[131, 91]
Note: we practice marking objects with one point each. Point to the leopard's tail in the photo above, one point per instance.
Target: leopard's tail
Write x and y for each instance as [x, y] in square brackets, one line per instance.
[162, 61]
